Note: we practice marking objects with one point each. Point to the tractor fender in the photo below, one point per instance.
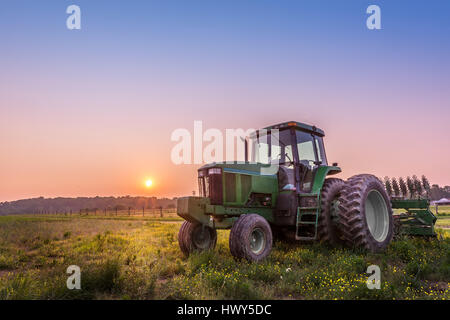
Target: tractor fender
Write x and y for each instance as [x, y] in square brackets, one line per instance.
[320, 176]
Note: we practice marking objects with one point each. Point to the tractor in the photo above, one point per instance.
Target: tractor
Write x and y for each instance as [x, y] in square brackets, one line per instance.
[297, 201]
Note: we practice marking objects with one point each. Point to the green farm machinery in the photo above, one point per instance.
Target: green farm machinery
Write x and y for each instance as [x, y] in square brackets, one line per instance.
[417, 219]
[284, 192]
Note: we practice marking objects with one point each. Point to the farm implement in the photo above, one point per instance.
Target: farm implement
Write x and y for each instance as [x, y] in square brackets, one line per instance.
[284, 192]
[417, 219]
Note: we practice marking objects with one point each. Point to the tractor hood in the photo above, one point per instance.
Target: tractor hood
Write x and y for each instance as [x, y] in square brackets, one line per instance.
[237, 167]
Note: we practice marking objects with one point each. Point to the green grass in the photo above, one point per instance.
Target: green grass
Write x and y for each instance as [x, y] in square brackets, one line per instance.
[443, 222]
[139, 258]
[442, 210]
[443, 218]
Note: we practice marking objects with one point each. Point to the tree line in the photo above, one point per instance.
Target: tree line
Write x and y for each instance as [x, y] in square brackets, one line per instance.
[415, 188]
[66, 205]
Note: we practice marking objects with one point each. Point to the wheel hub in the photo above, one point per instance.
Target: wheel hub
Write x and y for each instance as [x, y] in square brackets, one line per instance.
[377, 216]
[202, 238]
[334, 210]
[257, 241]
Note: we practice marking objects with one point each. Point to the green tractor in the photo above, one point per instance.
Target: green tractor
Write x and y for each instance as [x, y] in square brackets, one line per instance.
[285, 192]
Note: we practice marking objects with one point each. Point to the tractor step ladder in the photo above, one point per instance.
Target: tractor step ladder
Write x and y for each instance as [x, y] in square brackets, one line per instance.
[306, 229]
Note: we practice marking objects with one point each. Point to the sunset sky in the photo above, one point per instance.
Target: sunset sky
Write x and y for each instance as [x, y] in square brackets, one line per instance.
[90, 112]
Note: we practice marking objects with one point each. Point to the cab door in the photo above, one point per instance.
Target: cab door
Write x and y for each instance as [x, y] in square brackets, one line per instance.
[305, 152]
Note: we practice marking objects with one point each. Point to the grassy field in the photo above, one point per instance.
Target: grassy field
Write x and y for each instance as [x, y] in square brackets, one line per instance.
[138, 258]
[442, 210]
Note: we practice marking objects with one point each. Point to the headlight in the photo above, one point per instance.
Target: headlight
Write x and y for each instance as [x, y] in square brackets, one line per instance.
[214, 171]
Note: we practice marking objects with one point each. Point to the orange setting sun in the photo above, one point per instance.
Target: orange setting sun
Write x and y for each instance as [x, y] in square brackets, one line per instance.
[148, 183]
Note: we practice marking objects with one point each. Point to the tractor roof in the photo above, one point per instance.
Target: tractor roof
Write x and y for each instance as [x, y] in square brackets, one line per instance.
[297, 125]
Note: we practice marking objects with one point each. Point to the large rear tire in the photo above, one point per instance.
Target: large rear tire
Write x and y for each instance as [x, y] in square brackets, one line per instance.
[251, 238]
[327, 228]
[196, 237]
[366, 219]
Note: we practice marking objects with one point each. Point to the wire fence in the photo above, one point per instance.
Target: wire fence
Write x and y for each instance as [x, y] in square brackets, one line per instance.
[136, 212]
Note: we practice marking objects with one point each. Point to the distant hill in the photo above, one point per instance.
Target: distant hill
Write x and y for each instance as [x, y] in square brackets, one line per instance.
[53, 205]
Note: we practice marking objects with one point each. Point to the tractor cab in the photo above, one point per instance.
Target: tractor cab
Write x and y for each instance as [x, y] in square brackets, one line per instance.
[297, 148]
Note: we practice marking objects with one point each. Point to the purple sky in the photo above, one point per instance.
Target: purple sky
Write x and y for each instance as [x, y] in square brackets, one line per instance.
[91, 111]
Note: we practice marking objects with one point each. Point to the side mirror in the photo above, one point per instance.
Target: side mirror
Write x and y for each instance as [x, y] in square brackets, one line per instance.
[335, 164]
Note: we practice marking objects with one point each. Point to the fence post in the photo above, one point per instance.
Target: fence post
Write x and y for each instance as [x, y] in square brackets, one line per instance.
[160, 212]
[143, 210]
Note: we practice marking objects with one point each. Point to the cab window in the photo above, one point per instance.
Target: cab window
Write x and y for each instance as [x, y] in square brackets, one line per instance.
[281, 148]
[305, 146]
[321, 151]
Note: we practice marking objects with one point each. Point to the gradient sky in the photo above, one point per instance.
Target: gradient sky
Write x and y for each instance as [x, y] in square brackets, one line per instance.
[90, 112]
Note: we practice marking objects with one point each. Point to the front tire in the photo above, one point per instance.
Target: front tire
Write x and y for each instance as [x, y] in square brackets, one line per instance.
[251, 238]
[194, 237]
[366, 219]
